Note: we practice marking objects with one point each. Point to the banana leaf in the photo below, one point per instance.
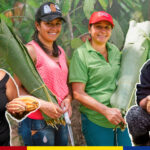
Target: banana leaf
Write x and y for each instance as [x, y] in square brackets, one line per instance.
[5, 66]
[134, 54]
[15, 54]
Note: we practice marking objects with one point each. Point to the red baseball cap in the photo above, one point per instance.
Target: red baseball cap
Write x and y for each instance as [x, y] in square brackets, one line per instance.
[101, 16]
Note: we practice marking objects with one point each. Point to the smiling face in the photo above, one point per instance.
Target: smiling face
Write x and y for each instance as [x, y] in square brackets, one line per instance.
[100, 32]
[49, 31]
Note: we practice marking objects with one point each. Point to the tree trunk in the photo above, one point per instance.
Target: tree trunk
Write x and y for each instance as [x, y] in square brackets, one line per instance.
[70, 26]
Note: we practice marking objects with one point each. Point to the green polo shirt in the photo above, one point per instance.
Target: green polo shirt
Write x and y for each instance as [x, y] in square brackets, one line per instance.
[90, 67]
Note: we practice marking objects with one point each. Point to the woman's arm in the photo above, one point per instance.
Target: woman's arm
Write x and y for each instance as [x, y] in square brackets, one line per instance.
[112, 114]
[68, 99]
[66, 103]
[11, 89]
[31, 52]
[143, 88]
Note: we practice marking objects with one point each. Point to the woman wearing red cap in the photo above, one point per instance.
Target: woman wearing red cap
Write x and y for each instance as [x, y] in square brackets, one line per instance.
[93, 72]
[51, 63]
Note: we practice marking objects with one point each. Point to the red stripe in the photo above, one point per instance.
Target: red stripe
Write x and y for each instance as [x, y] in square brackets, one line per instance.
[13, 148]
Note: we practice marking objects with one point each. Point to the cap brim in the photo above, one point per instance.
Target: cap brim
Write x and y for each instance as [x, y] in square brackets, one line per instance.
[52, 17]
[103, 19]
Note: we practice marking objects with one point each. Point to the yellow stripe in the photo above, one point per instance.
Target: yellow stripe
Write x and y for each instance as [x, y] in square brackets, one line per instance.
[74, 148]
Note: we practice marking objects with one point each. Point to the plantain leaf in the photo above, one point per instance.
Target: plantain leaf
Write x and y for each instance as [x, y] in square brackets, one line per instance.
[25, 27]
[66, 6]
[76, 42]
[117, 36]
[76, 2]
[104, 3]
[30, 12]
[88, 7]
[33, 3]
[81, 28]
[6, 19]
[5, 66]
[134, 55]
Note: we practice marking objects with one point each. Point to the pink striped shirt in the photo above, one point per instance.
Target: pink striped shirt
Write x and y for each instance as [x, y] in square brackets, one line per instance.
[53, 74]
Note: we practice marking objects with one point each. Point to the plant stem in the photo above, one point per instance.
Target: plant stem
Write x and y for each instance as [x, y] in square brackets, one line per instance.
[75, 9]
[70, 26]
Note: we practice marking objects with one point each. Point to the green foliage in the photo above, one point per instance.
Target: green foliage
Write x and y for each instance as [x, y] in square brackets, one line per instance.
[24, 30]
[145, 9]
[110, 3]
[117, 36]
[104, 3]
[30, 12]
[5, 66]
[66, 6]
[76, 42]
[33, 3]
[76, 2]
[79, 11]
[88, 7]
[7, 20]
[4, 5]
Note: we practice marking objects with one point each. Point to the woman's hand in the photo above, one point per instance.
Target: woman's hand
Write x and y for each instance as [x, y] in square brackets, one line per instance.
[51, 109]
[114, 116]
[16, 106]
[66, 103]
[145, 103]
[148, 104]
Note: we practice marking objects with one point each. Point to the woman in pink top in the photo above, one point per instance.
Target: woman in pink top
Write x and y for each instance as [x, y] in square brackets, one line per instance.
[50, 61]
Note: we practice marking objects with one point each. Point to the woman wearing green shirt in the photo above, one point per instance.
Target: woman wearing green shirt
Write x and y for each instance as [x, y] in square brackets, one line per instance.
[93, 72]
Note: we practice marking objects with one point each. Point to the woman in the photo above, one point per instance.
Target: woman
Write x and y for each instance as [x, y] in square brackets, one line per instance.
[8, 92]
[50, 61]
[93, 73]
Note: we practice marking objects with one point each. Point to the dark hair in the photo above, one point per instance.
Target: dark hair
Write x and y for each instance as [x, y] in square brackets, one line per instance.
[56, 51]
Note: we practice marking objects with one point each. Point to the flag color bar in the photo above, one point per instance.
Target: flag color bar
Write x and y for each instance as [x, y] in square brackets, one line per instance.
[74, 148]
[136, 148]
